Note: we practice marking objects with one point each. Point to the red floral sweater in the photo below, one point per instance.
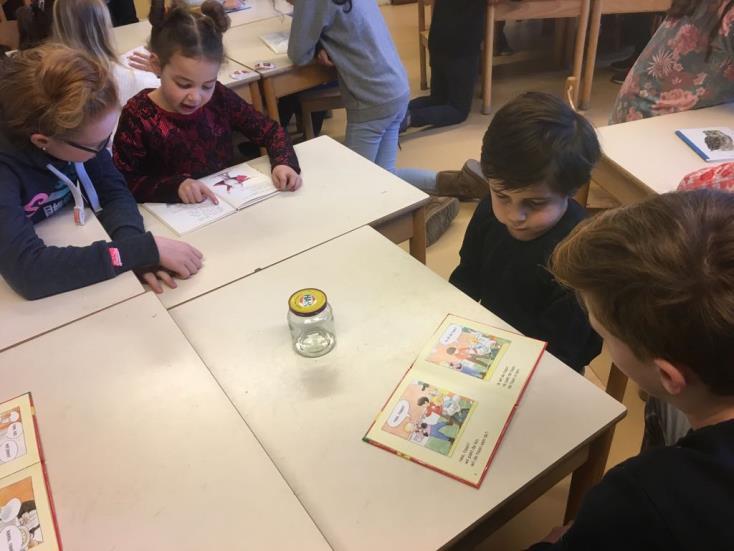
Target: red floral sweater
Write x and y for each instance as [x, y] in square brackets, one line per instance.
[156, 150]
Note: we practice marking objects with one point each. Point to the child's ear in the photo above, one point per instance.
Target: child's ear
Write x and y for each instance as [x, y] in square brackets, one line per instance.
[673, 379]
[40, 141]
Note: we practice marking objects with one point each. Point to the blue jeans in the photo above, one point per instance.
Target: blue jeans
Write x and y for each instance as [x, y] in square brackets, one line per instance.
[377, 140]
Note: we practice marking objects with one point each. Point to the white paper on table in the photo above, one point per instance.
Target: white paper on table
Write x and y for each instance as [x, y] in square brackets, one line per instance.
[184, 218]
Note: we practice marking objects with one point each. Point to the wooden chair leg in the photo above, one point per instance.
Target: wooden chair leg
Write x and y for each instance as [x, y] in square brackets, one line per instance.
[594, 30]
[308, 131]
[578, 56]
[488, 53]
[423, 65]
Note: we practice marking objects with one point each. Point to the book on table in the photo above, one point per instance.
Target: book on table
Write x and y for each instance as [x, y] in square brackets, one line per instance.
[237, 187]
[712, 144]
[453, 406]
[27, 519]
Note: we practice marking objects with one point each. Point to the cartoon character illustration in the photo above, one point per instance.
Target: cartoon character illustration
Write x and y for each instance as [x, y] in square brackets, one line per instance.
[430, 417]
[20, 526]
[468, 351]
[228, 181]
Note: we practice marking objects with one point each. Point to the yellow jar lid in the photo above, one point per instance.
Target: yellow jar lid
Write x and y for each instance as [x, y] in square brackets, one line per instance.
[307, 302]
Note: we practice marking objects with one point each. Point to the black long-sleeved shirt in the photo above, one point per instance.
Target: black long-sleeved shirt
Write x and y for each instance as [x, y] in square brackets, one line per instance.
[676, 498]
[30, 193]
[509, 277]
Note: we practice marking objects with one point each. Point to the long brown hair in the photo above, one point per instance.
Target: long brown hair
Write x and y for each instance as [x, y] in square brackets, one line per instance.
[52, 90]
[85, 25]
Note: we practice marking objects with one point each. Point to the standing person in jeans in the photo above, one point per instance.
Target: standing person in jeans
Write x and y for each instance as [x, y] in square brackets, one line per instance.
[352, 37]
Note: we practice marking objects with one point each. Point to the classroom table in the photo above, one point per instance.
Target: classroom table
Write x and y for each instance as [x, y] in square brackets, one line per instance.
[243, 45]
[246, 85]
[23, 319]
[143, 449]
[645, 157]
[310, 414]
[341, 191]
[606, 7]
[258, 10]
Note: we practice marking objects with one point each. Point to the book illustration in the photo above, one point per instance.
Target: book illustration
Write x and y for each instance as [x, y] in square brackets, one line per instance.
[12, 441]
[429, 416]
[20, 526]
[228, 182]
[716, 140]
[468, 351]
[277, 41]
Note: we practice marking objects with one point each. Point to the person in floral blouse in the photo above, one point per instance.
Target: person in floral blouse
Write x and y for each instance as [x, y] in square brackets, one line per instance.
[688, 64]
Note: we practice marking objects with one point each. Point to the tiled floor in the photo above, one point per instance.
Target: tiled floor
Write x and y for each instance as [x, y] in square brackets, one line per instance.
[448, 148]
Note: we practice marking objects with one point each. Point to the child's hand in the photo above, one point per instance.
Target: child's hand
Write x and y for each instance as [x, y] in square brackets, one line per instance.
[323, 58]
[286, 179]
[194, 191]
[154, 279]
[141, 61]
[179, 258]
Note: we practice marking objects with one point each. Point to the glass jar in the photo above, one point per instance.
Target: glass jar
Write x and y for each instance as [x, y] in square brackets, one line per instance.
[311, 321]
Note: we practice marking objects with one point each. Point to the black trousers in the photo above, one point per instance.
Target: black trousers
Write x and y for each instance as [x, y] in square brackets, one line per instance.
[452, 92]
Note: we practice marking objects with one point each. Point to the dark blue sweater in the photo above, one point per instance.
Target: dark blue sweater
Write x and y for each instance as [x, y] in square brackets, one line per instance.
[29, 193]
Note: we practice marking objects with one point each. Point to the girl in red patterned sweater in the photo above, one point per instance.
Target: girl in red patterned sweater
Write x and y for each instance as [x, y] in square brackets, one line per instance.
[181, 131]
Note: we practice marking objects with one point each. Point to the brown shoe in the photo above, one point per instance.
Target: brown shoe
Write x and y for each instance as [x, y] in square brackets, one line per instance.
[465, 184]
[440, 211]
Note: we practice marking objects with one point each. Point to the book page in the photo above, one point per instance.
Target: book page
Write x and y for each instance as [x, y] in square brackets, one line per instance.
[26, 518]
[277, 41]
[712, 144]
[18, 443]
[241, 185]
[452, 407]
[184, 218]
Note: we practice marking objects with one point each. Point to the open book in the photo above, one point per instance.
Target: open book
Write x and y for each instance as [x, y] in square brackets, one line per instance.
[277, 41]
[455, 402]
[237, 187]
[26, 510]
[711, 144]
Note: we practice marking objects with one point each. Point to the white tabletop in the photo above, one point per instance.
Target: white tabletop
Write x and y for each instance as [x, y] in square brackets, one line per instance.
[310, 414]
[143, 449]
[23, 319]
[244, 46]
[258, 10]
[650, 152]
[341, 192]
[129, 37]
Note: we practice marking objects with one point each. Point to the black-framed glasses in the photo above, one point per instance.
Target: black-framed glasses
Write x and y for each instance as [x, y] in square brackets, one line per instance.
[89, 149]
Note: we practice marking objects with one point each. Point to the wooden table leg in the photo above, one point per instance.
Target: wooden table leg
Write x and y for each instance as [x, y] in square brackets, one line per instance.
[591, 50]
[578, 56]
[257, 99]
[591, 472]
[271, 101]
[418, 240]
[421, 49]
[488, 53]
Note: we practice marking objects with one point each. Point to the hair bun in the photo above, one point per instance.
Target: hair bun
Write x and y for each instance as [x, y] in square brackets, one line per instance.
[215, 11]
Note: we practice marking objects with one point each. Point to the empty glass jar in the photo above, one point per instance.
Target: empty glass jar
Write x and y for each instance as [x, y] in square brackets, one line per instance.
[311, 321]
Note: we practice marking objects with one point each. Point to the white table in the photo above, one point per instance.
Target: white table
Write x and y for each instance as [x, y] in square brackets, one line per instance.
[341, 192]
[645, 157]
[143, 449]
[259, 10]
[23, 319]
[243, 45]
[310, 414]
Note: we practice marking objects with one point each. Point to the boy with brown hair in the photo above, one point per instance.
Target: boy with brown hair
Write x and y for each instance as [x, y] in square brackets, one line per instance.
[657, 279]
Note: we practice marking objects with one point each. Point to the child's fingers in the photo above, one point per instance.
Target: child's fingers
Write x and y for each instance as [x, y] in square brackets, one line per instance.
[209, 193]
[153, 283]
[166, 278]
[296, 182]
[278, 180]
[196, 194]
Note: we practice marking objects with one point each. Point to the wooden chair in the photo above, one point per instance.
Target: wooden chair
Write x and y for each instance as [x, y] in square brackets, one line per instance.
[423, 41]
[318, 100]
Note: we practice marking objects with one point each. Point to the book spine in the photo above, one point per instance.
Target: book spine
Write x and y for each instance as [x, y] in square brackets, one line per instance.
[692, 145]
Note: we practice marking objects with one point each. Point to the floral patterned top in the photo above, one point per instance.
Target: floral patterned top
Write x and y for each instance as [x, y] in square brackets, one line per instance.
[672, 74]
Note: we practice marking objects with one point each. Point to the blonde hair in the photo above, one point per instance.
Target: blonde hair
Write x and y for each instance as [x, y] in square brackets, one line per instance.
[52, 90]
[659, 275]
[85, 25]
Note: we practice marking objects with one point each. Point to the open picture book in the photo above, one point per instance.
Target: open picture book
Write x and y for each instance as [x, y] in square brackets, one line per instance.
[277, 41]
[237, 187]
[453, 405]
[711, 144]
[27, 518]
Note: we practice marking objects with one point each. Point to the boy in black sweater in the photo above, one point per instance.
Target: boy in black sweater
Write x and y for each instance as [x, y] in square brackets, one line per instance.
[657, 279]
[536, 153]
